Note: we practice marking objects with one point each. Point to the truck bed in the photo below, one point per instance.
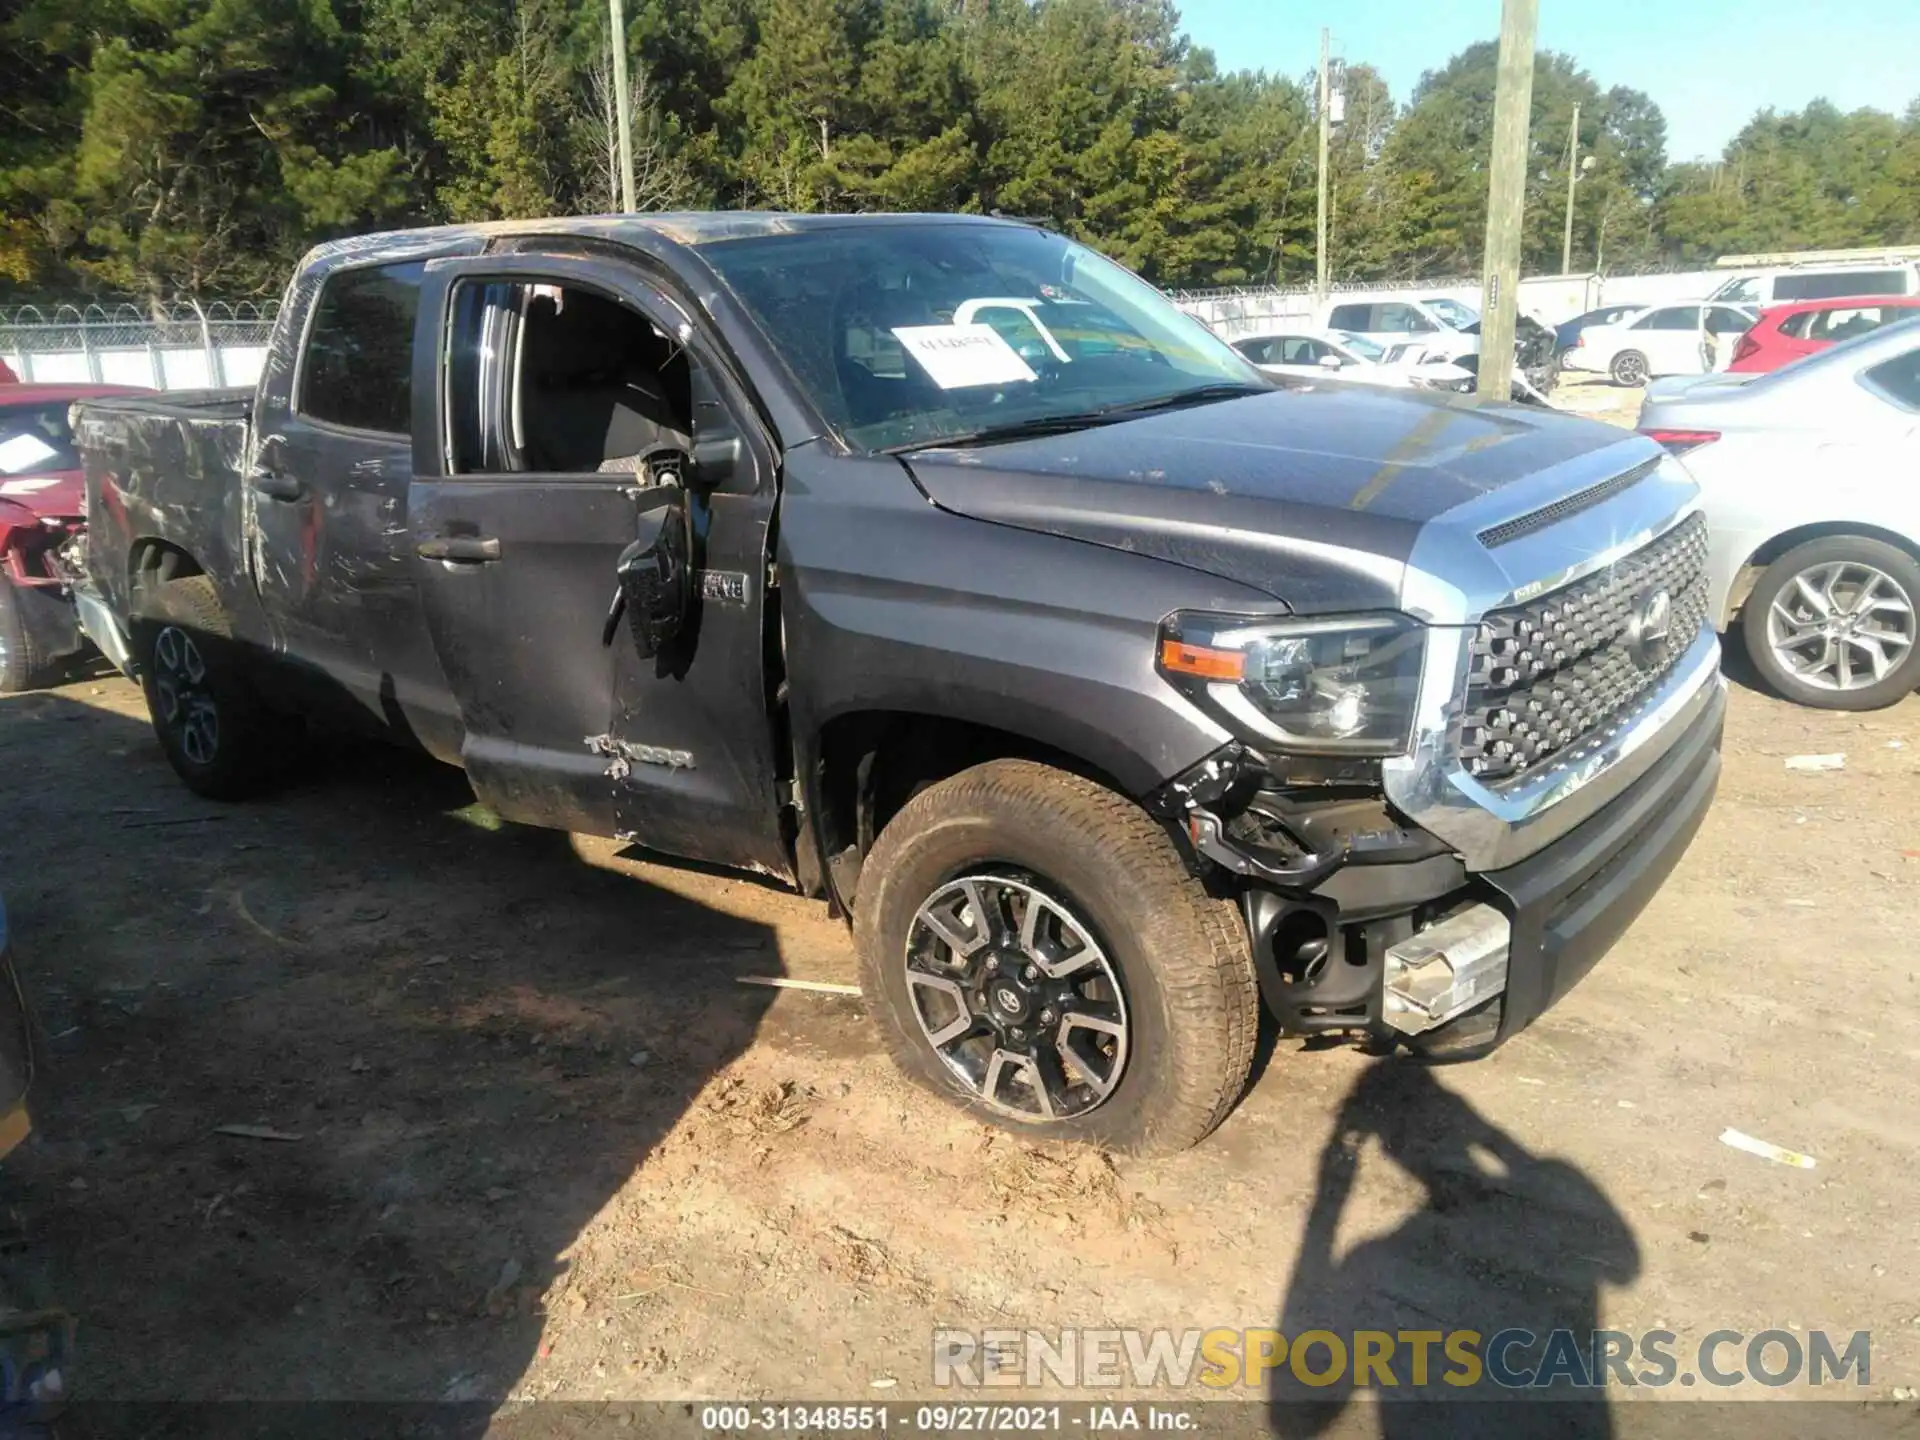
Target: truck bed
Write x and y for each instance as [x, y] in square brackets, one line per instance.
[162, 467]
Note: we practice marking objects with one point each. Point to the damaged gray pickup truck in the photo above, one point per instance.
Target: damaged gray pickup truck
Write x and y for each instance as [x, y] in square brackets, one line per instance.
[943, 569]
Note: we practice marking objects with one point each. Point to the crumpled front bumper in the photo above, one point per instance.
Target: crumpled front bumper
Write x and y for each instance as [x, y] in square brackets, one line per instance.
[1569, 902]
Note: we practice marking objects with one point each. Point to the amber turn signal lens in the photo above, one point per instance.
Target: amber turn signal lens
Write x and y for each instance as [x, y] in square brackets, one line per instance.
[1208, 664]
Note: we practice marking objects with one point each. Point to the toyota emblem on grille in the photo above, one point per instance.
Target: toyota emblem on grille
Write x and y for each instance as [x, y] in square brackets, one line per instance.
[1649, 624]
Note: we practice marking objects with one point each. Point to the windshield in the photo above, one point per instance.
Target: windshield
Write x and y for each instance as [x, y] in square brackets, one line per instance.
[914, 333]
[35, 439]
[1359, 345]
[1454, 313]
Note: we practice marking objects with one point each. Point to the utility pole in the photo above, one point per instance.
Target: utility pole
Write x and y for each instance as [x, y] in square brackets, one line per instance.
[1326, 130]
[1573, 179]
[622, 105]
[1506, 195]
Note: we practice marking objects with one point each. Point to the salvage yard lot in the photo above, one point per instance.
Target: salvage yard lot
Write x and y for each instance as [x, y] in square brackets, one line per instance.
[548, 1147]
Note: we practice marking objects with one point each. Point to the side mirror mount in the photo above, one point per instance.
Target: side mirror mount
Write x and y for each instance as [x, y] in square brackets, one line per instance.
[714, 459]
[717, 447]
[654, 575]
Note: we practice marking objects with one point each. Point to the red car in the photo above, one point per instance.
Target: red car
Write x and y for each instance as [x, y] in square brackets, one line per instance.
[1786, 332]
[42, 500]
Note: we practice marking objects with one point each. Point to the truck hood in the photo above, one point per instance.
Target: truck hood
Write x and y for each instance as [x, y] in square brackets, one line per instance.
[1315, 495]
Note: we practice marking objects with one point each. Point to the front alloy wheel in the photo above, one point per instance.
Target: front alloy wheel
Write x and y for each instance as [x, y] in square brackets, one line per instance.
[1844, 625]
[186, 707]
[1033, 946]
[1017, 997]
[1831, 623]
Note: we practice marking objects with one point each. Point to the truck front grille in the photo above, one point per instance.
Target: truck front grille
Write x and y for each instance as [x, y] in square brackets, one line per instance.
[1546, 674]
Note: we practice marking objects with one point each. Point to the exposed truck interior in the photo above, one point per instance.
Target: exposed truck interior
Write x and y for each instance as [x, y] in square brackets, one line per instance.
[560, 380]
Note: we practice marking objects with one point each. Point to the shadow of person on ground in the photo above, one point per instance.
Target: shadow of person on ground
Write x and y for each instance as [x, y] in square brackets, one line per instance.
[469, 1036]
[1503, 1239]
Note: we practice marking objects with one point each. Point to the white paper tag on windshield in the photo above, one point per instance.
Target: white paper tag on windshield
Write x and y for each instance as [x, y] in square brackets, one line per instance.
[24, 452]
[957, 356]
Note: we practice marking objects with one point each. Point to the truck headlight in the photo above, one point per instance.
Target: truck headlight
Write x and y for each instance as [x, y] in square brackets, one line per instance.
[1345, 685]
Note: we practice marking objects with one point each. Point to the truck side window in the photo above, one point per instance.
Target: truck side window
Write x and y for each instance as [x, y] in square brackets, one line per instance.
[557, 379]
[1357, 318]
[358, 367]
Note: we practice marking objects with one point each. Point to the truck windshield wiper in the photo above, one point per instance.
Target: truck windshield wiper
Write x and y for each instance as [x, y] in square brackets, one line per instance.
[1198, 395]
[1084, 419]
[1013, 430]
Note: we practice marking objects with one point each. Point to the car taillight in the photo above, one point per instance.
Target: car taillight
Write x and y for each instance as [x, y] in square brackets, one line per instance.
[1679, 442]
[1748, 346]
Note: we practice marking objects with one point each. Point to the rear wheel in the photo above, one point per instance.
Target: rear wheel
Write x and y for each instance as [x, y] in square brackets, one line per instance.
[1034, 949]
[1629, 368]
[215, 733]
[1832, 624]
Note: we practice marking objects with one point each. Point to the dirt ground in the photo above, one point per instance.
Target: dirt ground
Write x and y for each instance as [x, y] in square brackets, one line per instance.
[541, 1143]
[1597, 397]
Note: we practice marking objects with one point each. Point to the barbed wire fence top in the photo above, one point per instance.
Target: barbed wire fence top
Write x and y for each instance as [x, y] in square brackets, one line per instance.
[137, 344]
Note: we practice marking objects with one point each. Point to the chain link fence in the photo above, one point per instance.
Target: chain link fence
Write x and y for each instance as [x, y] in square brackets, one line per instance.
[180, 346]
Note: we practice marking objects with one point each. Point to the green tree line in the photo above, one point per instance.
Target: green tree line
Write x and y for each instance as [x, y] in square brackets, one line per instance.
[158, 147]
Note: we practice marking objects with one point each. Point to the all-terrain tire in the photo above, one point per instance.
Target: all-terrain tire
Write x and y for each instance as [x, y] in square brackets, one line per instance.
[21, 664]
[1858, 555]
[1181, 956]
[217, 736]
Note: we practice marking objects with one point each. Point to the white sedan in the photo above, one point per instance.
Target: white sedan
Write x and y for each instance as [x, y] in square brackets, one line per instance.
[1813, 517]
[1663, 340]
[1350, 357]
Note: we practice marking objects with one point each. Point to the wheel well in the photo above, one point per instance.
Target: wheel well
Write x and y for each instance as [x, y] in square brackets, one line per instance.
[873, 762]
[156, 560]
[1749, 574]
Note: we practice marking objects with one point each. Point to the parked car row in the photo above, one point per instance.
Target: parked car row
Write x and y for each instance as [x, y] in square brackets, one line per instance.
[1350, 357]
[1439, 329]
[1661, 340]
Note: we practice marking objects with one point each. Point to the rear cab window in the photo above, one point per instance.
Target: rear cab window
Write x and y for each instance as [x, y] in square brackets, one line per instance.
[356, 371]
[1352, 317]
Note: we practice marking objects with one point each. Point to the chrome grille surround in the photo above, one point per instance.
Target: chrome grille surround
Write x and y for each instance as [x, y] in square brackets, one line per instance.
[1453, 581]
[1544, 674]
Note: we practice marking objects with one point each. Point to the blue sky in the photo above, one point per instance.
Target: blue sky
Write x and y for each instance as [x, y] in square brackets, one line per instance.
[1708, 64]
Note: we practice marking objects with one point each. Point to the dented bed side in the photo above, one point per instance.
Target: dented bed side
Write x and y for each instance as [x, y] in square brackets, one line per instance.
[166, 471]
